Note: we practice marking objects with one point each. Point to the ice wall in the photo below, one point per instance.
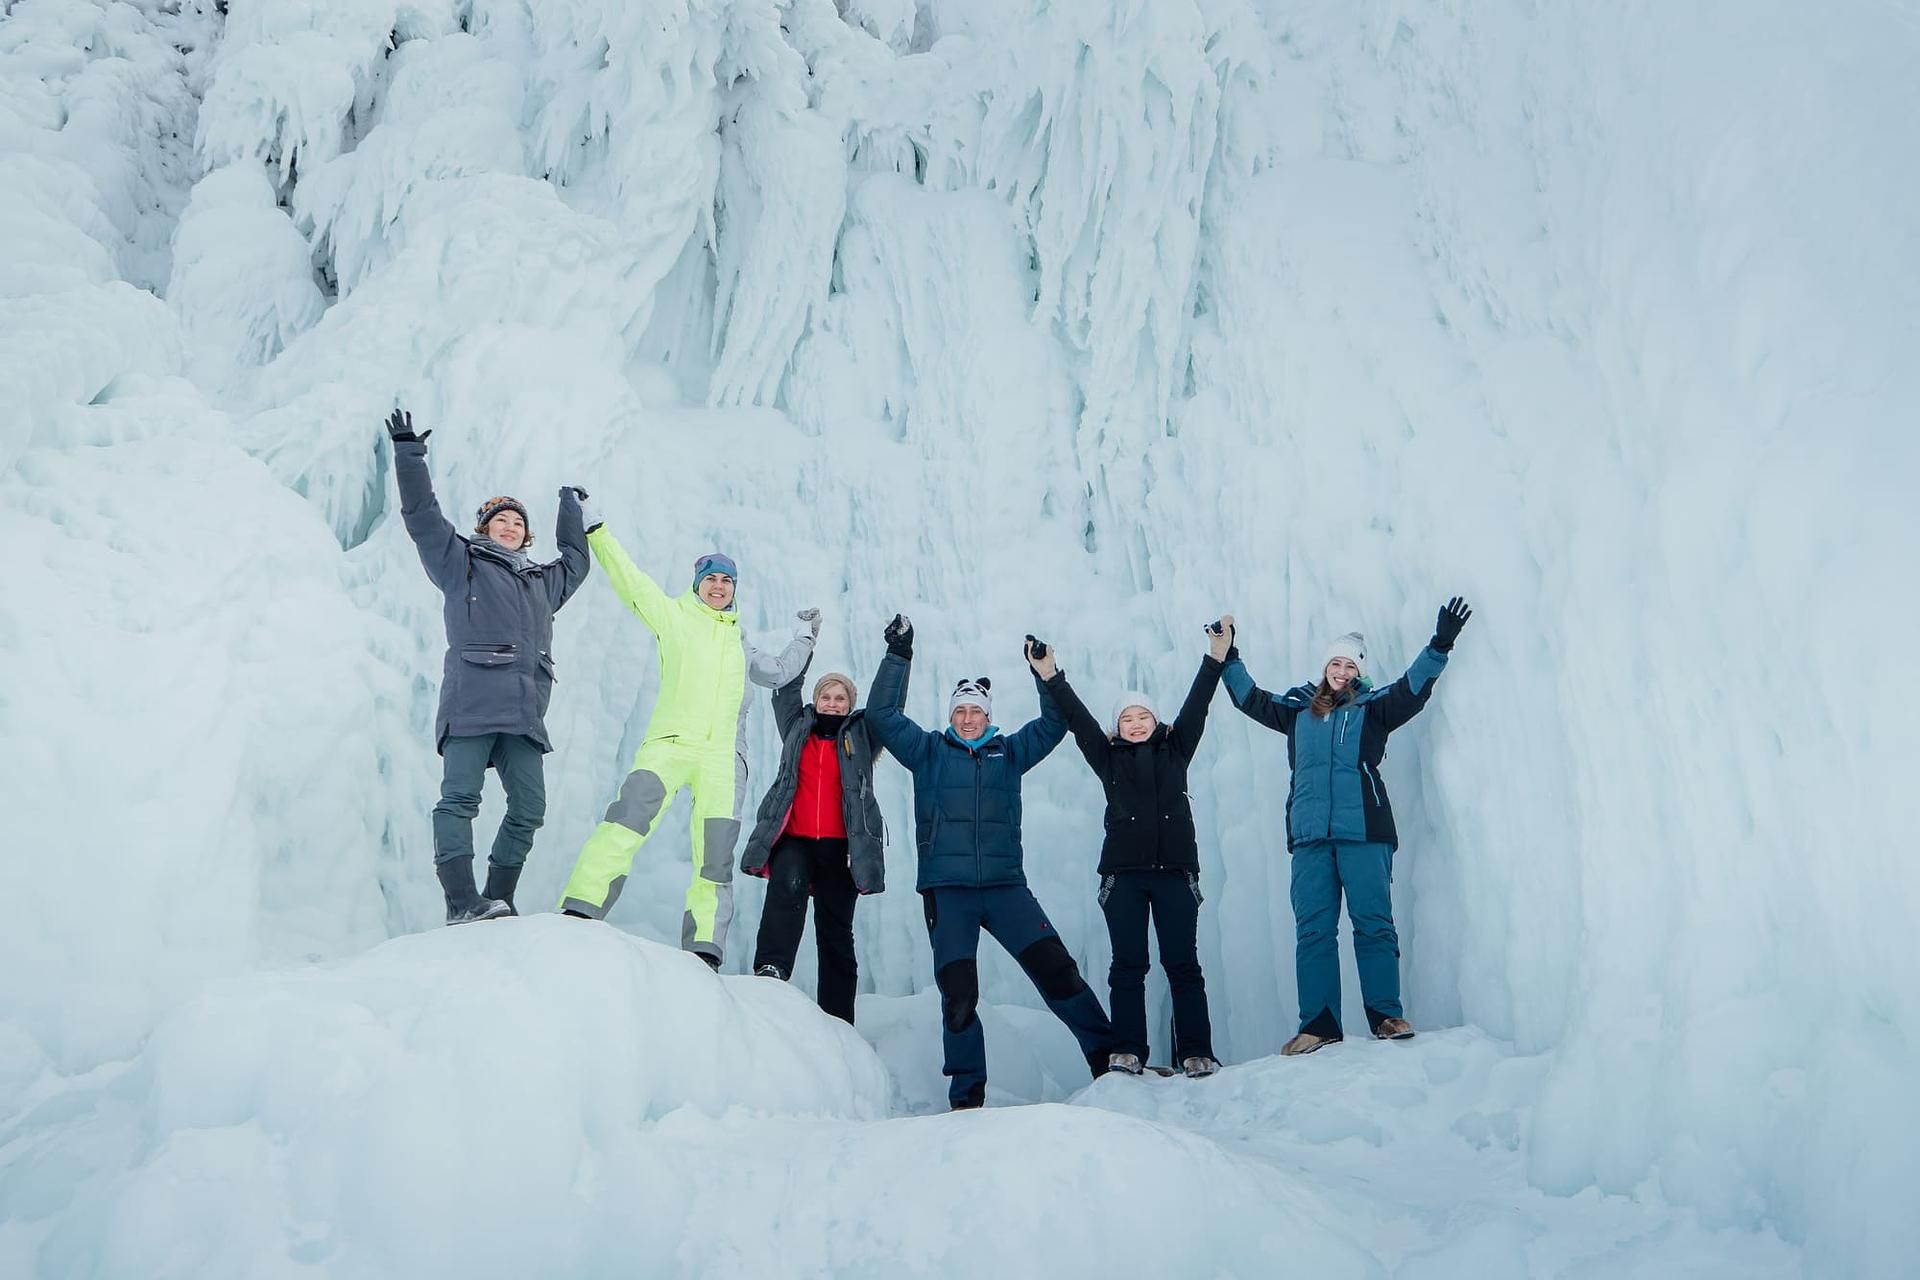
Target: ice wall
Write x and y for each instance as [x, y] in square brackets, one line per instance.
[1093, 320]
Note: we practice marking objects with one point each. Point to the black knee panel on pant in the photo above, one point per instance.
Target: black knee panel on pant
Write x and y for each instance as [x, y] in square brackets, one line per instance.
[1052, 969]
[959, 985]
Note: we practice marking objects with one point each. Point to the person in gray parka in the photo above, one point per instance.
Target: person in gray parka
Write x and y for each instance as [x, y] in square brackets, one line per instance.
[818, 834]
[498, 674]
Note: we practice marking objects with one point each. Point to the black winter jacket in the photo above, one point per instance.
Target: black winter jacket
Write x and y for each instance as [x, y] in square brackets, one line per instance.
[859, 806]
[1149, 818]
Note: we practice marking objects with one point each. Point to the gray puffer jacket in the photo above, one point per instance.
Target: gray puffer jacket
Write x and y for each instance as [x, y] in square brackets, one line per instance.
[499, 612]
[857, 749]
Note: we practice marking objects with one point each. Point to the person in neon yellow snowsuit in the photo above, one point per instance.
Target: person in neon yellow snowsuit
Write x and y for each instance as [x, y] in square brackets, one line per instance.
[696, 739]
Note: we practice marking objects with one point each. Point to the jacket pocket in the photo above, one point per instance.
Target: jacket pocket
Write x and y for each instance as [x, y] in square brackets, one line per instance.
[1106, 889]
[1193, 885]
[546, 669]
[1373, 783]
[488, 655]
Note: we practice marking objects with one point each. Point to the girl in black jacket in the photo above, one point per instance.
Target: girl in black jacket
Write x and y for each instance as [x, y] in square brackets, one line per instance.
[1150, 862]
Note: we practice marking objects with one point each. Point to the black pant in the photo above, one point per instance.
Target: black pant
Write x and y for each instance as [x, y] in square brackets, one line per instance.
[1173, 899]
[797, 867]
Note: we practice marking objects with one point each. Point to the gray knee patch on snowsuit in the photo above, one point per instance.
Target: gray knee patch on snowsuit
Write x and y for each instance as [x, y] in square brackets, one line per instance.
[1051, 966]
[717, 838]
[642, 796]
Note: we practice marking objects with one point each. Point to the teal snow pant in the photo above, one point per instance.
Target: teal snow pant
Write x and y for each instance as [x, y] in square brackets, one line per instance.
[522, 769]
[1321, 870]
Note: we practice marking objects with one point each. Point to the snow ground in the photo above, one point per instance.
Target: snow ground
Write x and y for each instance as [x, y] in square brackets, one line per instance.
[550, 1097]
[1088, 319]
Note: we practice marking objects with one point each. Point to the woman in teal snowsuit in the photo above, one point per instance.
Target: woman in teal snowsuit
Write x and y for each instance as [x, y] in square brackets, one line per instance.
[1339, 825]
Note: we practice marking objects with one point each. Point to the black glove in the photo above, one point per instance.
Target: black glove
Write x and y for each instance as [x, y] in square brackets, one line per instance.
[1446, 629]
[1036, 649]
[578, 493]
[400, 429]
[899, 636]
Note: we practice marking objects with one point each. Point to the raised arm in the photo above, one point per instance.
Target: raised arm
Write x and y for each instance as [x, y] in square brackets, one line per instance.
[1192, 720]
[1087, 732]
[1035, 740]
[639, 592]
[787, 706]
[443, 552]
[1252, 700]
[887, 719]
[1402, 700]
[569, 531]
[773, 670]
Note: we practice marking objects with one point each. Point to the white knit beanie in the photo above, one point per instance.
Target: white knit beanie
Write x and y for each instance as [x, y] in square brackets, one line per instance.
[1131, 698]
[1352, 646]
[971, 693]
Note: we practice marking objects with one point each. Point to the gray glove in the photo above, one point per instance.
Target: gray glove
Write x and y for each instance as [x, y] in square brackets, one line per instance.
[807, 623]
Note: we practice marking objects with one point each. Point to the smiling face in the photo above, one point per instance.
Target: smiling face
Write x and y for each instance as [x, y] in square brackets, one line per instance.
[1137, 724]
[968, 721]
[833, 699]
[1340, 673]
[716, 589]
[508, 529]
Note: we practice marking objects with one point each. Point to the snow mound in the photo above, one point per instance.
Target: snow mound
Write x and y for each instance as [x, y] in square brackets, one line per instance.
[548, 1096]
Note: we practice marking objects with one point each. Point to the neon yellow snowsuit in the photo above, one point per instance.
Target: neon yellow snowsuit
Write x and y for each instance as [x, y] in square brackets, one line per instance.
[696, 739]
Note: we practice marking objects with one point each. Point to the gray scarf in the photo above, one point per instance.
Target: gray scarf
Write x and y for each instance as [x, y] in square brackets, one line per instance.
[516, 559]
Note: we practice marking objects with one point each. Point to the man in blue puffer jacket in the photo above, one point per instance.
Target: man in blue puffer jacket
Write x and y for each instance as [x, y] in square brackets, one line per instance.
[966, 809]
[1339, 824]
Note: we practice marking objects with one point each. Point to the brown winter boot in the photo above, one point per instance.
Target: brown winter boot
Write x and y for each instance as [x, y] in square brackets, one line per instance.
[1306, 1042]
[1393, 1029]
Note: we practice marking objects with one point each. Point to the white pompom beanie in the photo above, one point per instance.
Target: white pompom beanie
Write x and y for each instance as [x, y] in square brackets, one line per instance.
[1131, 698]
[1352, 646]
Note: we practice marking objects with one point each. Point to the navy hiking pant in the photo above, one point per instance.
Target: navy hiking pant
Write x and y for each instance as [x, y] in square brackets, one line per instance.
[1172, 900]
[522, 771]
[1009, 912]
[1321, 871]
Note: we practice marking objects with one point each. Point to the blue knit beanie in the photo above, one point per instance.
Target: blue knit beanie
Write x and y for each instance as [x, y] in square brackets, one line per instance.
[714, 562]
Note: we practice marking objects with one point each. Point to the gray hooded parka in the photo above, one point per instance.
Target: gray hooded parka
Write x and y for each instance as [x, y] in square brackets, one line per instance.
[499, 609]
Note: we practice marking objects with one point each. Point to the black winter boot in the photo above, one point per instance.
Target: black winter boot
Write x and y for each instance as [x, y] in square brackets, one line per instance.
[463, 904]
[500, 885]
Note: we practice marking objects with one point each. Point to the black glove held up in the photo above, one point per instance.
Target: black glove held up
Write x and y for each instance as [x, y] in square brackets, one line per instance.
[400, 429]
[899, 636]
[1446, 629]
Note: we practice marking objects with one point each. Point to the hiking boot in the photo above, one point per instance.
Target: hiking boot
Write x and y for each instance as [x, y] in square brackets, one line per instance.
[501, 882]
[478, 909]
[1127, 1062]
[771, 971]
[973, 1100]
[1198, 1068]
[1306, 1042]
[713, 962]
[1393, 1029]
[463, 904]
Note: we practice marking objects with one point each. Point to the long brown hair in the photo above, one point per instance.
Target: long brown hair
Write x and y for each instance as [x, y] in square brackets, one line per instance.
[1326, 698]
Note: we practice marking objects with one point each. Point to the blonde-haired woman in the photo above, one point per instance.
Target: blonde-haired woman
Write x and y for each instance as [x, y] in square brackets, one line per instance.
[818, 835]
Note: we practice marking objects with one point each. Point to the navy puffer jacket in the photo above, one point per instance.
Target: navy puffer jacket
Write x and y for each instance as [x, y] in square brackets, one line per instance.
[1337, 793]
[966, 795]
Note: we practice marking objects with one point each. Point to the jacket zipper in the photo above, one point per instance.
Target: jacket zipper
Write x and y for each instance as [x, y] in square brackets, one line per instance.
[1333, 760]
[979, 866]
